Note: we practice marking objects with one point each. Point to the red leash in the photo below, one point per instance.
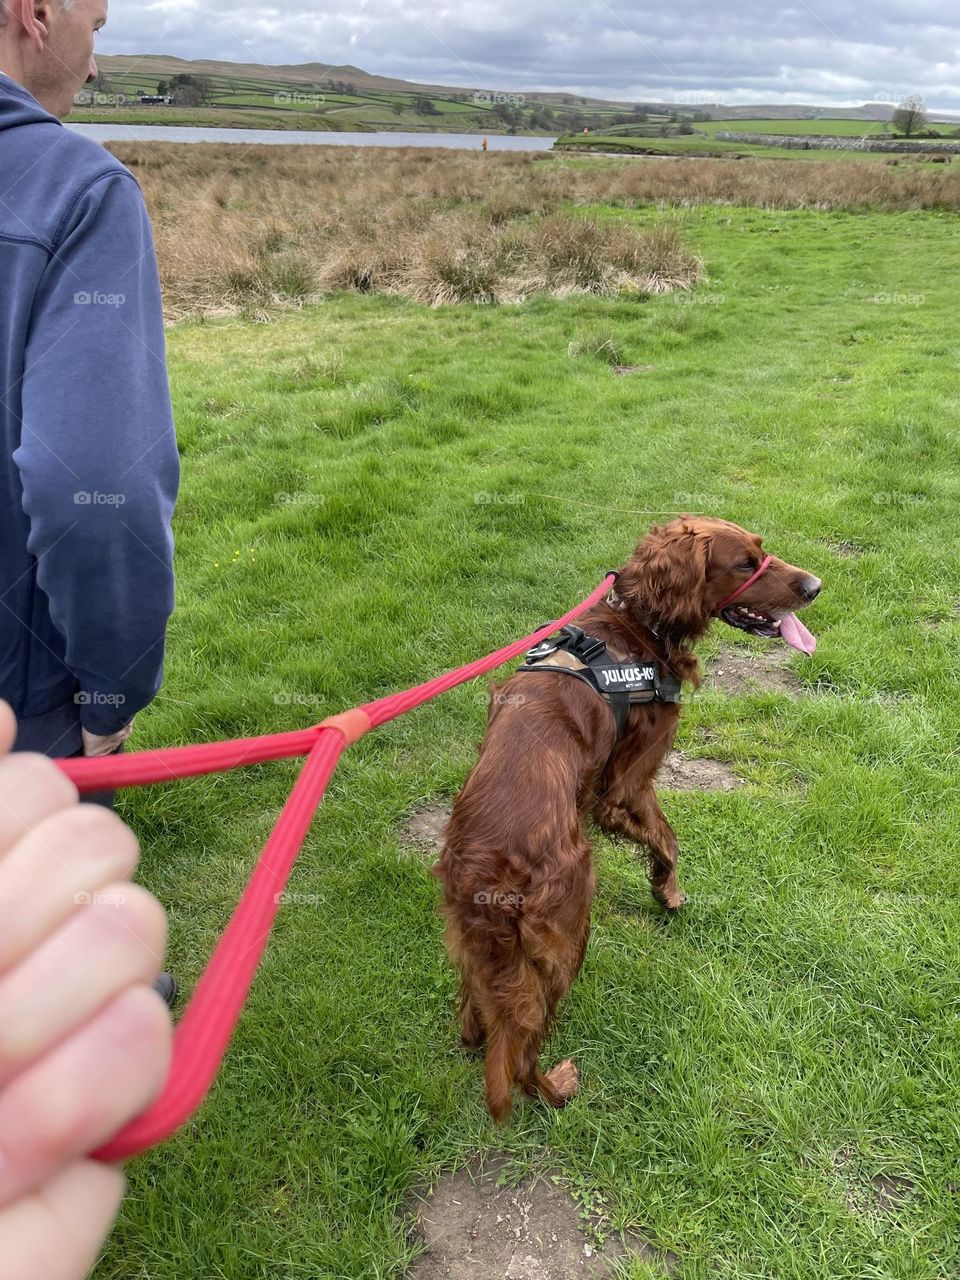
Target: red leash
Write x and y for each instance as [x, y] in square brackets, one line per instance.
[204, 1031]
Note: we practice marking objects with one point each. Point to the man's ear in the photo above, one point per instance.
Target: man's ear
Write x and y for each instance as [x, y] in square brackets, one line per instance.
[666, 579]
[33, 19]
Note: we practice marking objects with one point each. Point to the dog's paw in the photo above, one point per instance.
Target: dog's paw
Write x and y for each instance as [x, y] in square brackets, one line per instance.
[672, 902]
[565, 1078]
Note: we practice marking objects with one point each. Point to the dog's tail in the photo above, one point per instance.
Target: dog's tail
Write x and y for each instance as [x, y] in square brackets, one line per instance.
[500, 1072]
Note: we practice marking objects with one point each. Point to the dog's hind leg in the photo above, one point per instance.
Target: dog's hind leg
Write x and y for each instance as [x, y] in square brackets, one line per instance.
[560, 966]
[472, 1033]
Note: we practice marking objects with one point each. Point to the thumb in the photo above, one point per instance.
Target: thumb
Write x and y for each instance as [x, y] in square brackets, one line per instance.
[8, 727]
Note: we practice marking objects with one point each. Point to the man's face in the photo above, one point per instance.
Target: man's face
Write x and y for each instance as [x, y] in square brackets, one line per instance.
[66, 62]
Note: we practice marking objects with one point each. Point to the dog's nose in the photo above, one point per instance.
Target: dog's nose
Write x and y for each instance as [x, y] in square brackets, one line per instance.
[810, 589]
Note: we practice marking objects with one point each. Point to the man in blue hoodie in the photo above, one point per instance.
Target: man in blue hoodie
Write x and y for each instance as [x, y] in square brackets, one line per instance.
[89, 467]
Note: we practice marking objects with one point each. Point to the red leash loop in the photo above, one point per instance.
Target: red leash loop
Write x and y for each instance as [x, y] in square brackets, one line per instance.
[203, 1033]
[735, 595]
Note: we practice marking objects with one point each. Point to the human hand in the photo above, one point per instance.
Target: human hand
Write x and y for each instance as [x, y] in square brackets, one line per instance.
[95, 744]
[84, 1041]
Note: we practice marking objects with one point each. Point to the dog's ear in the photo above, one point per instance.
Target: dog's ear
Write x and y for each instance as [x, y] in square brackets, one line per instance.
[666, 580]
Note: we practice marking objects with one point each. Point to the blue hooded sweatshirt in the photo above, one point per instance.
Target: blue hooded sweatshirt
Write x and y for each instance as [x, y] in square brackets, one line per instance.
[89, 467]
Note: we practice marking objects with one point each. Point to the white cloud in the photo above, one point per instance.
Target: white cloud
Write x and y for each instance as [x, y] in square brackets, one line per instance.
[844, 51]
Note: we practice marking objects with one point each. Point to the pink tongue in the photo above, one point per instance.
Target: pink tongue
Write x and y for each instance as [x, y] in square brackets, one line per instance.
[796, 634]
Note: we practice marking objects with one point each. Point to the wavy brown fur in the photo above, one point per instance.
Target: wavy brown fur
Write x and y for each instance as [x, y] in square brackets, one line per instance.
[516, 868]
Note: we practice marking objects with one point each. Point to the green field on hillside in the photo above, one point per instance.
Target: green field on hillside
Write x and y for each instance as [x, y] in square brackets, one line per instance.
[694, 145]
[277, 101]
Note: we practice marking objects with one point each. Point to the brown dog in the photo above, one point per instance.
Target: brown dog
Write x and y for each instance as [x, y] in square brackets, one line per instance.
[516, 868]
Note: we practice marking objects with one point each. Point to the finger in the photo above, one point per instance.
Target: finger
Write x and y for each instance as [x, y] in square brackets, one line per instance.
[8, 727]
[31, 789]
[57, 1231]
[112, 944]
[84, 1091]
[54, 870]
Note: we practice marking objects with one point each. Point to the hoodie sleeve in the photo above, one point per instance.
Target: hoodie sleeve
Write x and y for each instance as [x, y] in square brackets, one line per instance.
[98, 457]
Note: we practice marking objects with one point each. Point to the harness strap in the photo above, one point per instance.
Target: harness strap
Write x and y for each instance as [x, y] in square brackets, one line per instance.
[572, 652]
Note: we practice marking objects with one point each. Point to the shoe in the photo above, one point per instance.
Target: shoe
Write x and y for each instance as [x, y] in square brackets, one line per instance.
[166, 985]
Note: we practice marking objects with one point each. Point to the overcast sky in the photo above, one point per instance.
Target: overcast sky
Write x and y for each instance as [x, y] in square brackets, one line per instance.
[821, 51]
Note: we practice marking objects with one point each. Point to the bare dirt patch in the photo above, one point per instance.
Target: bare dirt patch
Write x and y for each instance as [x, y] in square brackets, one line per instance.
[870, 1196]
[677, 773]
[747, 670]
[425, 829]
[891, 1193]
[474, 1229]
[845, 550]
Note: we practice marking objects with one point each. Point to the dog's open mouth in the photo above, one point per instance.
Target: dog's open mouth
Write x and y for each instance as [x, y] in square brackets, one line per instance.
[757, 623]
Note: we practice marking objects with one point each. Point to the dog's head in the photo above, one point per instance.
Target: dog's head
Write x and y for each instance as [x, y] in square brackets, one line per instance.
[684, 574]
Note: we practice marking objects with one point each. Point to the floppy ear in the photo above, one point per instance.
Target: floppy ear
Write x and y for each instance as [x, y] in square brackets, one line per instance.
[666, 579]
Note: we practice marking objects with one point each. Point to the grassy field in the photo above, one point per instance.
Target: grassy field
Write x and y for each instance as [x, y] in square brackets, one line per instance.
[246, 229]
[838, 128]
[278, 103]
[694, 145]
[698, 145]
[375, 492]
[210, 118]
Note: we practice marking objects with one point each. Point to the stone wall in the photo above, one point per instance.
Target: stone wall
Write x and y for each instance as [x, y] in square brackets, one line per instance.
[830, 142]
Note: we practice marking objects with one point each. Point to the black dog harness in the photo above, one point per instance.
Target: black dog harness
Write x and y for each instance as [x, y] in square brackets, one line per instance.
[622, 684]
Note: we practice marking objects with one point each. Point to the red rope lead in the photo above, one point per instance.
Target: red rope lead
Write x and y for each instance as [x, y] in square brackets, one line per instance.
[208, 1022]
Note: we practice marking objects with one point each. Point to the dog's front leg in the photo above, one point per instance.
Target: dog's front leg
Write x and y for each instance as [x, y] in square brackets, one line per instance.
[641, 818]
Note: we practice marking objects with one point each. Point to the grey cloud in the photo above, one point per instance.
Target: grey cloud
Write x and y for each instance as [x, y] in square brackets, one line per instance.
[745, 51]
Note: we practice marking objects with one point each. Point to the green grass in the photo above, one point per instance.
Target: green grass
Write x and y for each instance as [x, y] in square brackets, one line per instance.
[695, 145]
[835, 128]
[279, 104]
[208, 118]
[806, 1002]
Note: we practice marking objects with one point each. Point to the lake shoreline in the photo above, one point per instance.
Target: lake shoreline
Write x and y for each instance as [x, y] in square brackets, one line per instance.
[295, 137]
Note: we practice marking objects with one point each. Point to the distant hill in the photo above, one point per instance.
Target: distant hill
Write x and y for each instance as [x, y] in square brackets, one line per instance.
[318, 73]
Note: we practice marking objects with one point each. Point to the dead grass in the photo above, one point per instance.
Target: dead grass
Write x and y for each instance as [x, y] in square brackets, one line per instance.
[279, 225]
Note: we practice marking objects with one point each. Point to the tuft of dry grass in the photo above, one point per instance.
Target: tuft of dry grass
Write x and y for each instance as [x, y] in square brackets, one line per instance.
[261, 227]
[278, 226]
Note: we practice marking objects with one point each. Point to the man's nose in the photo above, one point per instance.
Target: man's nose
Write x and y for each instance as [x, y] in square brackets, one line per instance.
[93, 71]
[809, 588]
